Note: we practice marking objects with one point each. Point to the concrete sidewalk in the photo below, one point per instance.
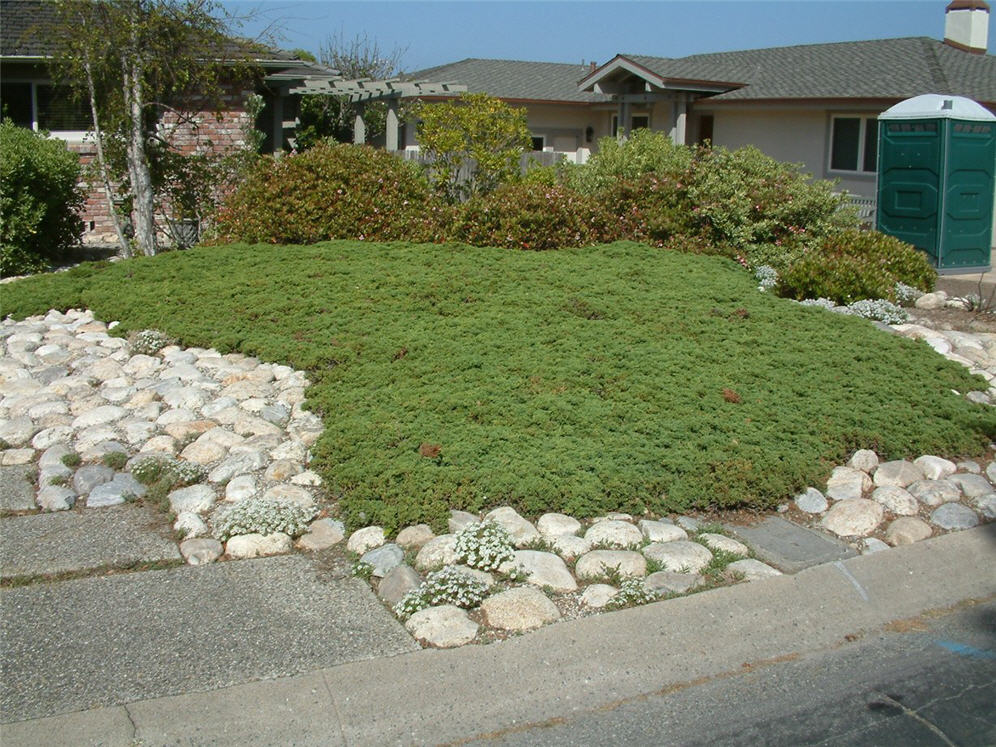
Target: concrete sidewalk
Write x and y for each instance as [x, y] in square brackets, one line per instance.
[433, 696]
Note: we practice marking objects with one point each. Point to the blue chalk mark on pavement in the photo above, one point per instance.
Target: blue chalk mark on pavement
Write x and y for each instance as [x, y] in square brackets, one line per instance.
[963, 650]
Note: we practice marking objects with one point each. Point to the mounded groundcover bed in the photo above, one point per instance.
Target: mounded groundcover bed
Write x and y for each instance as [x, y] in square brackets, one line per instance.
[618, 377]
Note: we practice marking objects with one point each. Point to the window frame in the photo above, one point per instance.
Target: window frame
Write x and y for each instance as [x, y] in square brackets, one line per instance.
[865, 120]
[614, 122]
[75, 136]
[534, 139]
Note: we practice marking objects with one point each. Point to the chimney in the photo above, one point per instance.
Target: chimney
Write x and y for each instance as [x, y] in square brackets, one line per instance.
[966, 25]
[593, 66]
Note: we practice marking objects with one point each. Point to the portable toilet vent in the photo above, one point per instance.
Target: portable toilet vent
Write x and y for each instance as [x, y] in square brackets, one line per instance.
[936, 163]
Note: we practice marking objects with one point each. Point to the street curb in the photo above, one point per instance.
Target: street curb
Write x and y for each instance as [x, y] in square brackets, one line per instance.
[434, 696]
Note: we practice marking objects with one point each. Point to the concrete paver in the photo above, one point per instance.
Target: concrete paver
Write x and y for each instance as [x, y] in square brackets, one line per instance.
[790, 547]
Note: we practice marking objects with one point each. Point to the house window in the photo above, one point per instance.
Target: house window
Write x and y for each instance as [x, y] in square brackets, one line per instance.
[42, 106]
[636, 122]
[854, 144]
[539, 142]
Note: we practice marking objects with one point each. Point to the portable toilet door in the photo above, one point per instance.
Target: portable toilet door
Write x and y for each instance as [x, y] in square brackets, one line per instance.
[937, 160]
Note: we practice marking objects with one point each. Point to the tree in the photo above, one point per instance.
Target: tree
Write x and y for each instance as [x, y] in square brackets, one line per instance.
[132, 61]
[328, 116]
[475, 144]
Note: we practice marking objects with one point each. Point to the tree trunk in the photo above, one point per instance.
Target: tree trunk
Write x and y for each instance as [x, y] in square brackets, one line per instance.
[143, 206]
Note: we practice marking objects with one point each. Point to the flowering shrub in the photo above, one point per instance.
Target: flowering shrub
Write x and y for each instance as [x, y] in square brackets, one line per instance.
[879, 310]
[852, 265]
[262, 516]
[766, 276]
[651, 208]
[632, 592]
[445, 586]
[906, 295]
[332, 192]
[150, 342]
[535, 217]
[823, 303]
[485, 546]
[175, 472]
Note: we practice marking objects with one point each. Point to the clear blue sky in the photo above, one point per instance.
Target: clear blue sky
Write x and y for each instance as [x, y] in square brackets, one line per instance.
[434, 33]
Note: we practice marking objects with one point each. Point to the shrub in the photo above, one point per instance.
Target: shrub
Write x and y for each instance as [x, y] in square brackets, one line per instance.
[445, 586]
[39, 199]
[632, 592]
[906, 295]
[171, 472]
[651, 208]
[767, 209]
[851, 265]
[485, 546]
[535, 217]
[332, 192]
[879, 310]
[262, 516]
[642, 154]
[150, 342]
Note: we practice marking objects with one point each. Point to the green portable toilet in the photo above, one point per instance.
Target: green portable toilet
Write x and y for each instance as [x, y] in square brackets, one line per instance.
[936, 166]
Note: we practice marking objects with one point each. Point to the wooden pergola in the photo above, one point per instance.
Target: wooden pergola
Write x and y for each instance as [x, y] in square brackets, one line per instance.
[365, 90]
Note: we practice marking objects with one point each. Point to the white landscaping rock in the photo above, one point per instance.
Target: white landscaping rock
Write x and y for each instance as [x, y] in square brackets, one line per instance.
[935, 468]
[906, 531]
[854, 517]
[661, 531]
[972, 485]
[520, 530]
[191, 525]
[519, 609]
[614, 534]
[415, 537]
[865, 460]
[290, 494]
[442, 627]
[241, 487]
[322, 534]
[542, 569]
[570, 546]
[258, 545]
[896, 500]
[55, 498]
[671, 582]
[554, 525]
[753, 570]
[383, 559]
[460, 520]
[935, 492]
[398, 582]
[811, 501]
[931, 301]
[846, 483]
[681, 556]
[593, 565]
[436, 553]
[196, 498]
[898, 473]
[201, 550]
[716, 542]
[365, 539]
[597, 596]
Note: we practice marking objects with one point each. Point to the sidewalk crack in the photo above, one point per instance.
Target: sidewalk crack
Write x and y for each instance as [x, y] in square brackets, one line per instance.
[335, 706]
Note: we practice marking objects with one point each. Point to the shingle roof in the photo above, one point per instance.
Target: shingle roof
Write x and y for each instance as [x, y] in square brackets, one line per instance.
[516, 79]
[884, 68]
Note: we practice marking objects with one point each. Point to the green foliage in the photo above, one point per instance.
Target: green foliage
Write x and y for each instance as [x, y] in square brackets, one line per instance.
[643, 153]
[632, 593]
[478, 133]
[173, 473]
[534, 217]
[652, 208]
[149, 342]
[72, 460]
[582, 381]
[331, 192]
[39, 199]
[853, 264]
[445, 586]
[262, 516]
[485, 546]
[115, 460]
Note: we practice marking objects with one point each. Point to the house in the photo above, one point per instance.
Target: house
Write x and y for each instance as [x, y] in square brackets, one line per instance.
[813, 104]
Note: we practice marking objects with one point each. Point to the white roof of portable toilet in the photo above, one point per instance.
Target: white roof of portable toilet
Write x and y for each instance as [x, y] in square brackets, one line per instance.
[938, 106]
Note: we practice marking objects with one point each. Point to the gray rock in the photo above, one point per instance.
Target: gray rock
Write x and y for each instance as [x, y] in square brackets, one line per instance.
[436, 553]
[399, 581]
[681, 556]
[688, 523]
[520, 530]
[17, 488]
[196, 498]
[865, 460]
[972, 485]
[191, 525]
[985, 505]
[542, 569]
[720, 542]
[597, 596]
[200, 551]
[123, 487]
[239, 463]
[935, 468]
[519, 609]
[384, 558]
[812, 501]
[365, 539]
[56, 498]
[954, 516]
[442, 627]
[935, 492]
[15, 457]
[18, 431]
[969, 466]
[670, 582]
[873, 545]
[854, 517]
[282, 469]
[52, 456]
[991, 472]
[553, 525]
[896, 500]
[753, 570]
[595, 564]
[612, 533]
[90, 476]
[241, 487]
[661, 531]
[898, 473]
[414, 537]
[258, 545]
[906, 531]
[99, 416]
[846, 483]
[322, 534]
[460, 520]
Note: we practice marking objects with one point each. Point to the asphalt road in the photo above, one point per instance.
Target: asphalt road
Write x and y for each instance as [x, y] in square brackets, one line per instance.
[929, 682]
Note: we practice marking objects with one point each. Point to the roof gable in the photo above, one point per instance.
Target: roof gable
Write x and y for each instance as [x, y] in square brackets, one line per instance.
[516, 80]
